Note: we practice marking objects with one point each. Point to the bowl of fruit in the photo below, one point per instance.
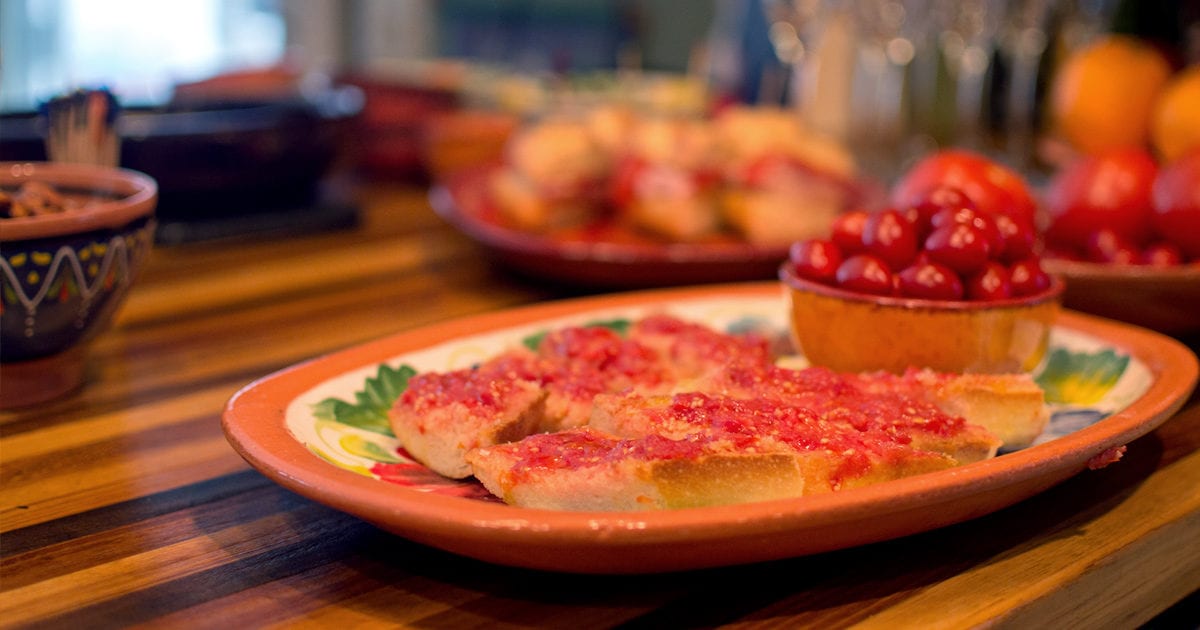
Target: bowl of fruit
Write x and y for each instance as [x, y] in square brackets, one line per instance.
[946, 277]
[1122, 208]
[1123, 229]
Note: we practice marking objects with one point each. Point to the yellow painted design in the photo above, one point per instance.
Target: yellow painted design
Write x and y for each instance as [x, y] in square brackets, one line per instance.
[361, 470]
[33, 277]
[18, 260]
[359, 447]
[42, 258]
[1081, 378]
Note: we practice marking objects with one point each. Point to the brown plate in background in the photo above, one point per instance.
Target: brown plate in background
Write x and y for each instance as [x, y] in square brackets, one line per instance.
[601, 255]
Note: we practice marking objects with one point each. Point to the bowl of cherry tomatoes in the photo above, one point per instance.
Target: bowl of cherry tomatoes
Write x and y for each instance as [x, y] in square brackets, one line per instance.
[1123, 230]
[946, 277]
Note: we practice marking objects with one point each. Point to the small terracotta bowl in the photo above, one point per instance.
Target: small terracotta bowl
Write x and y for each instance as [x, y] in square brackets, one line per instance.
[64, 275]
[854, 332]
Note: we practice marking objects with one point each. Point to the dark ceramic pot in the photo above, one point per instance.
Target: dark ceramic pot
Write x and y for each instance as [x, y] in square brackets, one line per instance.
[63, 276]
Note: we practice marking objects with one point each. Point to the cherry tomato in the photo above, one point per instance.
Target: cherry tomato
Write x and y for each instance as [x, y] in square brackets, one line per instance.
[889, 236]
[929, 281]
[935, 201]
[1162, 255]
[994, 188]
[815, 259]
[1107, 246]
[981, 222]
[1028, 277]
[959, 246]
[1176, 204]
[863, 273]
[847, 231]
[1110, 190]
[1019, 239]
[990, 283]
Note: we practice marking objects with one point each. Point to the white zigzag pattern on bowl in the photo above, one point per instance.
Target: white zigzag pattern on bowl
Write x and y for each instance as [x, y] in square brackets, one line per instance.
[117, 253]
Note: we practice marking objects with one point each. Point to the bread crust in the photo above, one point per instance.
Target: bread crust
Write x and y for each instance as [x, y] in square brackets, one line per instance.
[633, 484]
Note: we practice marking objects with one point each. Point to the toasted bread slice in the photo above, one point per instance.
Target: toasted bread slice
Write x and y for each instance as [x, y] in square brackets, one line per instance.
[578, 362]
[675, 219]
[442, 415]
[775, 217]
[875, 402]
[700, 451]
[1011, 406]
[862, 454]
[583, 469]
[525, 206]
[692, 353]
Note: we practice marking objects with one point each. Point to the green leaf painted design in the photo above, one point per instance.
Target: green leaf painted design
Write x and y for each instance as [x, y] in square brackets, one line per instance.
[361, 447]
[620, 326]
[371, 403]
[1081, 378]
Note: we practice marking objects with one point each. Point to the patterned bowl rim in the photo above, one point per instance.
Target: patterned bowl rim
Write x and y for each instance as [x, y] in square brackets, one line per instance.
[139, 194]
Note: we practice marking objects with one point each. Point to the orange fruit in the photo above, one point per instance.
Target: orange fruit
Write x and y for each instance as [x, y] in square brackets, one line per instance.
[1175, 122]
[1104, 93]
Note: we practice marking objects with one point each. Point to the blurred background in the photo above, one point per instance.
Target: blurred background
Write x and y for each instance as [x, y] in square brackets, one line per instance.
[296, 90]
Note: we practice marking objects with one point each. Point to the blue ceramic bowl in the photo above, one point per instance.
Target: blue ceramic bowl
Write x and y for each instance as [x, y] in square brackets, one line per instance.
[64, 275]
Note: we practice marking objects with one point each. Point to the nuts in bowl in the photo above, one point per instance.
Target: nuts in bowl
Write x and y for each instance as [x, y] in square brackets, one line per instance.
[67, 262]
[938, 280]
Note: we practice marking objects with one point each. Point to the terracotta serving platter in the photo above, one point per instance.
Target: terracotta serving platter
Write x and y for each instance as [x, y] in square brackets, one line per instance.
[599, 255]
[315, 428]
[1166, 299]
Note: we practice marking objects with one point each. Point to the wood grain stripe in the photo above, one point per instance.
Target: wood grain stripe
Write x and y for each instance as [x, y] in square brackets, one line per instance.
[163, 463]
[137, 587]
[92, 522]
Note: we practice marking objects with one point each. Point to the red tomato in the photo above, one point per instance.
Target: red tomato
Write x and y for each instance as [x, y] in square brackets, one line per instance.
[815, 259]
[992, 187]
[1162, 255]
[1106, 246]
[942, 198]
[1111, 191]
[1027, 277]
[959, 246]
[888, 235]
[984, 223]
[991, 283]
[865, 274]
[930, 281]
[1019, 238]
[1176, 204]
[847, 231]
